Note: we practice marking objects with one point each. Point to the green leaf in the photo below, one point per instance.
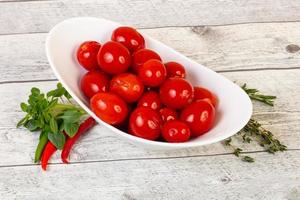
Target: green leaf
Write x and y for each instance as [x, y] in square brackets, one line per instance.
[237, 152]
[50, 93]
[58, 92]
[227, 142]
[24, 107]
[248, 159]
[22, 121]
[35, 91]
[31, 125]
[71, 129]
[70, 116]
[57, 139]
[59, 85]
[53, 125]
[67, 95]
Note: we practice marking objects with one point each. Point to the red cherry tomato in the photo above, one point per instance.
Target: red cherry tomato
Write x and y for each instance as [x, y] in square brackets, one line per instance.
[87, 55]
[203, 93]
[128, 86]
[175, 69]
[145, 123]
[109, 107]
[151, 100]
[141, 56]
[199, 116]
[153, 73]
[176, 93]
[129, 37]
[176, 131]
[113, 58]
[94, 82]
[168, 114]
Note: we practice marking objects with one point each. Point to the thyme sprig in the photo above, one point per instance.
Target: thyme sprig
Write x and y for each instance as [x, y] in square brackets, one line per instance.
[265, 138]
[237, 151]
[253, 131]
[256, 95]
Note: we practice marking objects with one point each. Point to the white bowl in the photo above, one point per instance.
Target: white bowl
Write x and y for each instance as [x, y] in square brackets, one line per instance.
[234, 109]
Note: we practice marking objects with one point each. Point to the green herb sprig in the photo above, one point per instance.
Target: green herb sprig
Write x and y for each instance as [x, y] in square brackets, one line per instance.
[265, 138]
[254, 131]
[255, 95]
[237, 151]
[53, 114]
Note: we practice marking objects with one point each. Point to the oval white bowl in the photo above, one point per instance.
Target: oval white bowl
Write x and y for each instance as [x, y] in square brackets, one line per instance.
[234, 109]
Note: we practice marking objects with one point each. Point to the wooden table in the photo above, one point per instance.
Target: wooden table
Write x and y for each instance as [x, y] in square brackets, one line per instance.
[256, 42]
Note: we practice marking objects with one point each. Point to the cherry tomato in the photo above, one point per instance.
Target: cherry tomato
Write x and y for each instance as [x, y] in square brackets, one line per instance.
[176, 131]
[199, 116]
[128, 86]
[141, 56]
[203, 93]
[87, 55]
[129, 37]
[168, 114]
[145, 123]
[109, 107]
[113, 58]
[176, 93]
[175, 69]
[153, 73]
[94, 82]
[151, 100]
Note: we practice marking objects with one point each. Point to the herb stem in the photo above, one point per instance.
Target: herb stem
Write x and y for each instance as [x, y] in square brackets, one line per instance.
[58, 108]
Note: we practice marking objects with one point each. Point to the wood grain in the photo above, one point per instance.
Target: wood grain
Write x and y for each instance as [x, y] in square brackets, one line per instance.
[40, 16]
[217, 177]
[265, 55]
[221, 48]
[18, 145]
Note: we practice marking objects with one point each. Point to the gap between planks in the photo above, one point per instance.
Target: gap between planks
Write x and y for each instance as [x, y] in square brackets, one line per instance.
[22, 1]
[161, 27]
[217, 71]
[145, 159]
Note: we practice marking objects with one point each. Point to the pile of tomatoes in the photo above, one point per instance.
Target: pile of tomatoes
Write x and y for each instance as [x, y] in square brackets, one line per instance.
[131, 88]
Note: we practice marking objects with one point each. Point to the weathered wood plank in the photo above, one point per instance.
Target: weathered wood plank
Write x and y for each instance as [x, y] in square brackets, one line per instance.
[18, 145]
[40, 16]
[217, 177]
[251, 46]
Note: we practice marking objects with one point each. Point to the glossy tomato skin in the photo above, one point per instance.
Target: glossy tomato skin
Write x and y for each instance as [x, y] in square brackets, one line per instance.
[129, 37]
[168, 114]
[153, 73]
[114, 58]
[128, 86]
[175, 69]
[176, 131]
[150, 100]
[203, 93]
[141, 56]
[109, 107]
[145, 123]
[94, 82]
[87, 55]
[176, 93]
[199, 116]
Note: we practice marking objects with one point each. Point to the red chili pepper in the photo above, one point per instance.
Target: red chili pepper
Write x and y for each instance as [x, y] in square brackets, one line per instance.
[47, 153]
[84, 126]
